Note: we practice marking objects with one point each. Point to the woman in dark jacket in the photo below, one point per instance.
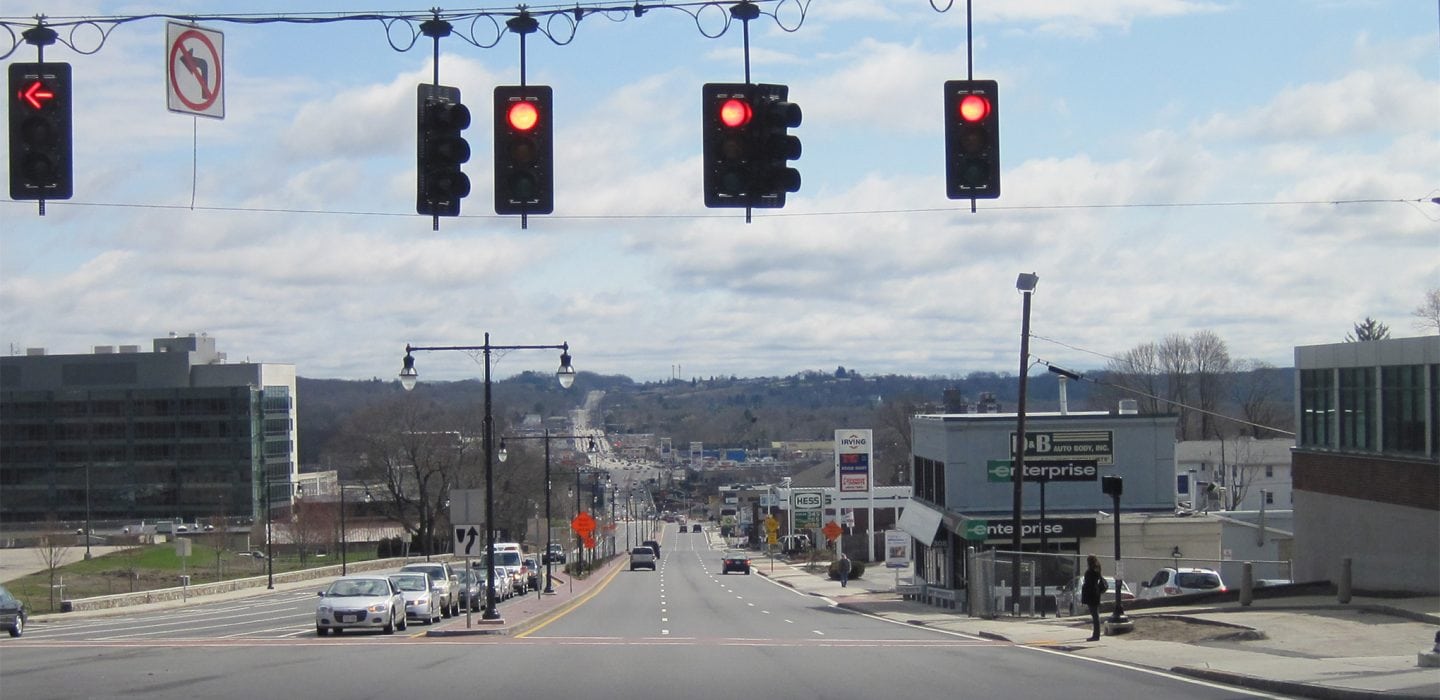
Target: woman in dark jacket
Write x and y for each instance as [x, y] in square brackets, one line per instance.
[1090, 590]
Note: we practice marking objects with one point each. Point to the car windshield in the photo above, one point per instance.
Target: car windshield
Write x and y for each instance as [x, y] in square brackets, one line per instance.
[506, 559]
[434, 572]
[411, 583]
[359, 587]
[1197, 580]
[642, 550]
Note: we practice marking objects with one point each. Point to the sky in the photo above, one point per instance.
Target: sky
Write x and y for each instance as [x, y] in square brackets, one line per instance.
[1262, 169]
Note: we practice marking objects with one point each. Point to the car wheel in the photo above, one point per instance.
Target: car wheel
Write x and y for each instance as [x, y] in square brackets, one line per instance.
[455, 609]
[444, 610]
[19, 627]
[747, 572]
[321, 631]
[338, 630]
[402, 623]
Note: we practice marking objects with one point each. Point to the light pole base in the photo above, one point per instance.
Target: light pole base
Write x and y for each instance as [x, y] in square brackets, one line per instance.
[1118, 625]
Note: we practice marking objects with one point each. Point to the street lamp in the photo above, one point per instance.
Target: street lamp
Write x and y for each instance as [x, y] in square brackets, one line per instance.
[566, 377]
[504, 453]
[1026, 284]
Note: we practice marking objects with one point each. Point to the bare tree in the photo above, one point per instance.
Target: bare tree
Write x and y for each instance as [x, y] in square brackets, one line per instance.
[416, 452]
[312, 524]
[1212, 367]
[1257, 391]
[1366, 330]
[1138, 370]
[1428, 312]
[52, 551]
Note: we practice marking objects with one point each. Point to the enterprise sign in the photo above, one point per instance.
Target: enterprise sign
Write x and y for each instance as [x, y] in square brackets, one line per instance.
[978, 530]
[1003, 470]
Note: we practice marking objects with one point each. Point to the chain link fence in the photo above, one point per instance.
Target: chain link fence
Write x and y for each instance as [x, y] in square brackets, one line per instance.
[1047, 581]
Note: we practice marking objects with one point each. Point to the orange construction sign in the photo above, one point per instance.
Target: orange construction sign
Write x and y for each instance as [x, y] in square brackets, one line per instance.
[831, 530]
[583, 524]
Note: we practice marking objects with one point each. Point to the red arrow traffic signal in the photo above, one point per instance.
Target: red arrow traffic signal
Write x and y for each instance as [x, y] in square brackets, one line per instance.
[36, 94]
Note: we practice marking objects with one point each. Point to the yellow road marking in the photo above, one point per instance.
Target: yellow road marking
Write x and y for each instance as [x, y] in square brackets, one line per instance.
[565, 609]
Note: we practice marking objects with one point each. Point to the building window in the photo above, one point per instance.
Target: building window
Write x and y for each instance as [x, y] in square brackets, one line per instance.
[1269, 498]
[1316, 406]
[1402, 401]
[1269, 472]
[1357, 408]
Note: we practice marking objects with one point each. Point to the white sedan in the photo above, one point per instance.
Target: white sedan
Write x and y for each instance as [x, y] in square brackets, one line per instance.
[360, 602]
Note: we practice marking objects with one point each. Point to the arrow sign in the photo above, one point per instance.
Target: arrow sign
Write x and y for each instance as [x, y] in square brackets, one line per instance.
[465, 540]
[36, 95]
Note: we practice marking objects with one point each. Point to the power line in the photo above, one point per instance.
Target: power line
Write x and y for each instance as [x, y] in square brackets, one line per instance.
[813, 214]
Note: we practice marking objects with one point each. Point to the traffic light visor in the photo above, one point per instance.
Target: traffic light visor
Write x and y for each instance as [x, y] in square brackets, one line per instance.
[735, 113]
[523, 116]
[974, 108]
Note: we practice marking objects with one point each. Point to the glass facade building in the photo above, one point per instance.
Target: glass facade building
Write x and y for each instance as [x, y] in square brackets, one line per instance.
[173, 434]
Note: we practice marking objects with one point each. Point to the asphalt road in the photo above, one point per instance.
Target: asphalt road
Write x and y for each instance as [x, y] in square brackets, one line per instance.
[683, 631]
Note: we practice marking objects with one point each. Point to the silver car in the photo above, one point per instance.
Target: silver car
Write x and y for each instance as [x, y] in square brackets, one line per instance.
[443, 581]
[360, 602]
[421, 603]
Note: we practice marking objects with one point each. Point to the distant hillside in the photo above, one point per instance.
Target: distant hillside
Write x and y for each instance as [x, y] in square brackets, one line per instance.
[732, 411]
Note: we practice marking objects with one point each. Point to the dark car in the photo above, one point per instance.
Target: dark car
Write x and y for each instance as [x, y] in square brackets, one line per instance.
[532, 569]
[555, 555]
[472, 586]
[652, 544]
[735, 561]
[12, 613]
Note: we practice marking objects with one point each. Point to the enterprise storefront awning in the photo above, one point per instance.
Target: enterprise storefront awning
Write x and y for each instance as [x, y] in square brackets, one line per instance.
[921, 522]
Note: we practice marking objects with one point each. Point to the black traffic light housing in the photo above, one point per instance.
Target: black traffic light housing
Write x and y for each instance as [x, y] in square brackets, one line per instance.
[746, 143]
[1112, 485]
[441, 150]
[524, 149]
[41, 146]
[972, 139]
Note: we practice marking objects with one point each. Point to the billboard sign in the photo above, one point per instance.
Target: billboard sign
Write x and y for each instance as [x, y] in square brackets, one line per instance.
[854, 452]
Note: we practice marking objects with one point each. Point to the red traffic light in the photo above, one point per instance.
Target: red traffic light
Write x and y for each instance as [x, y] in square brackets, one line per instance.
[735, 113]
[974, 108]
[523, 116]
[35, 95]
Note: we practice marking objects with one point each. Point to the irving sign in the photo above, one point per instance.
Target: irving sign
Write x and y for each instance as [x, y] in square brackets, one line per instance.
[854, 451]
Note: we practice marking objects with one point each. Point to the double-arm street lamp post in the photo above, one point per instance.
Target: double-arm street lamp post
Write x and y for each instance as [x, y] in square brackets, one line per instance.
[566, 376]
[549, 587]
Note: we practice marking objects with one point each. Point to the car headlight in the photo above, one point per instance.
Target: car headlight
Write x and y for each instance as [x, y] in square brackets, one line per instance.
[377, 607]
[422, 600]
[324, 610]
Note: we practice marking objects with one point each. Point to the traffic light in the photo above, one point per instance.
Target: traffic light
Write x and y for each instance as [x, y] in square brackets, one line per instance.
[441, 150]
[524, 149]
[771, 174]
[972, 139]
[746, 145]
[728, 121]
[41, 150]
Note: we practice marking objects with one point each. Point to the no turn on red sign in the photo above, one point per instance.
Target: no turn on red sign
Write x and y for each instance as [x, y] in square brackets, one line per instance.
[194, 70]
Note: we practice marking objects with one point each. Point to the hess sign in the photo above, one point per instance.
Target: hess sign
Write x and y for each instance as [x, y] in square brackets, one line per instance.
[807, 501]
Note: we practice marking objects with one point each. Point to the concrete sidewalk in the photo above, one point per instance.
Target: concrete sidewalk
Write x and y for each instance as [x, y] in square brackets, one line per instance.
[1307, 646]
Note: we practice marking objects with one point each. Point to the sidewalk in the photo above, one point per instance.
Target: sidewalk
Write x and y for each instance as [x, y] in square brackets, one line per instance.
[1307, 646]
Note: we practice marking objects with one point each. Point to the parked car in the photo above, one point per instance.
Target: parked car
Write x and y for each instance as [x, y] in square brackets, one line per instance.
[443, 581]
[735, 561]
[642, 558]
[472, 585]
[12, 613]
[555, 554]
[533, 573]
[652, 544]
[368, 601]
[1067, 599]
[514, 561]
[421, 603]
[1172, 581]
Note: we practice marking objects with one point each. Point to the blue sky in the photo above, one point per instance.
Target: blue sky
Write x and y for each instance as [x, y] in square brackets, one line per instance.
[1105, 105]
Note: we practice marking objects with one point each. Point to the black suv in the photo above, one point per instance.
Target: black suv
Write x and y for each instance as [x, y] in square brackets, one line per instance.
[652, 544]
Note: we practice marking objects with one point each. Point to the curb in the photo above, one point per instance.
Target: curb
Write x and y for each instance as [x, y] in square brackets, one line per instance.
[1304, 690]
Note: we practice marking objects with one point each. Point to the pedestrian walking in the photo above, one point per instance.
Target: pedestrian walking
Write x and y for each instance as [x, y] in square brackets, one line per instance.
[844, 567]
[1090, 590]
